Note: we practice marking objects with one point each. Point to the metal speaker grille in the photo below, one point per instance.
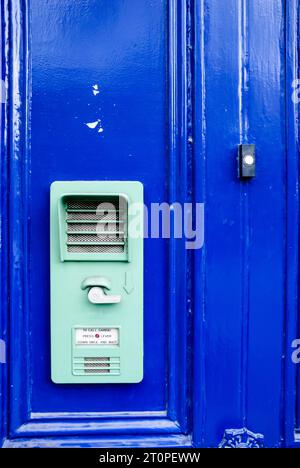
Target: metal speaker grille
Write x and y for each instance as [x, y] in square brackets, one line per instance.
[96, 226]
[95, 249]
[96, 365]
[91, 238]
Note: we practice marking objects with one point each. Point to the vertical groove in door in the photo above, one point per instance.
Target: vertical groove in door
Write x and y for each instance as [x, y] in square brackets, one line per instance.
[244, 196]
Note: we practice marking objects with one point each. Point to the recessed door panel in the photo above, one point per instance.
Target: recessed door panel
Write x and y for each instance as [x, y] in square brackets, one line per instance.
[99, 114]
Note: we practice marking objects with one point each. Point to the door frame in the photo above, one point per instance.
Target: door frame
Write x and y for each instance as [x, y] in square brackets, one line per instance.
[182, 423]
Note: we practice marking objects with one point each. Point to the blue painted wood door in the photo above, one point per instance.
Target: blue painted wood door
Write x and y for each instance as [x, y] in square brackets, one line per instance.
[162, 92]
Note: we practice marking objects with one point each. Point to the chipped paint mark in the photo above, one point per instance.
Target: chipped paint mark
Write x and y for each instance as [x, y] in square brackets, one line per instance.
[96, 89]
[93, 124]
[96, 125]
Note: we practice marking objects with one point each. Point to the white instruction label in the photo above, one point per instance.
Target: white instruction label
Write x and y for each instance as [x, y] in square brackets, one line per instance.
[96, 336]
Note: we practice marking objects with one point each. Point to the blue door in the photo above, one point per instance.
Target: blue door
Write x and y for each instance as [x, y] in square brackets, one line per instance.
[162, 92]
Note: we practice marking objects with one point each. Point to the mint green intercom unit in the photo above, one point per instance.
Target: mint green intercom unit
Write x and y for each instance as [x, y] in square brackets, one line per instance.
[96, 282]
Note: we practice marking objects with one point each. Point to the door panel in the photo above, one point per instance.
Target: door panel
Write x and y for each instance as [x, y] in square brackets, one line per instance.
[245, 220]
[75, 46]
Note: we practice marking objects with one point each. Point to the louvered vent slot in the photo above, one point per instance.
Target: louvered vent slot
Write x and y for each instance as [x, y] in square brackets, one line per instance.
[96, 365]
[96, 226]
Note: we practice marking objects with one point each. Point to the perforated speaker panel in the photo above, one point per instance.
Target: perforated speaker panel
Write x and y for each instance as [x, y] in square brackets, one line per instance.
[96, 226]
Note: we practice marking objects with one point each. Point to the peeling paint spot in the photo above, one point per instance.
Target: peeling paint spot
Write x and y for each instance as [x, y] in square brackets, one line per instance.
[96, 125]
[96, 89]
[93, 124]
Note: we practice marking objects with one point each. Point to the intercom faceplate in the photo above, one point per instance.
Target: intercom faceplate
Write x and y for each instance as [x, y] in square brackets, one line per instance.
[96, 282]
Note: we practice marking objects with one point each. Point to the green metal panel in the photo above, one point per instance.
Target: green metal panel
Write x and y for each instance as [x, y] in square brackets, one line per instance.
[96, 342]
